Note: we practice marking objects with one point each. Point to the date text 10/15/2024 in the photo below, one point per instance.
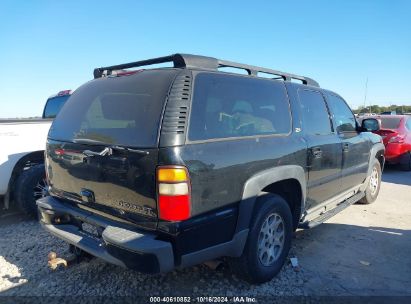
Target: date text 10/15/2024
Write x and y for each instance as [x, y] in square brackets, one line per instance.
[205, 299]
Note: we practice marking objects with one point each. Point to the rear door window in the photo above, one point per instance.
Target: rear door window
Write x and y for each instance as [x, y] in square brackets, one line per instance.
[226, 106]
[316, 119]
[122, 110]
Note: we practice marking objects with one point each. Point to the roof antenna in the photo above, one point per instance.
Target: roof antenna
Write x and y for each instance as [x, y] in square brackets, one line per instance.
[365, 96]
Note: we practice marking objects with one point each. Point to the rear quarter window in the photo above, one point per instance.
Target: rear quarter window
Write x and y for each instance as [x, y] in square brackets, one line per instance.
[226, 106]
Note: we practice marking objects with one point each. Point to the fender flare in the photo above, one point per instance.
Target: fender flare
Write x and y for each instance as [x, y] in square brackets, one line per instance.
[377, 148]
[254, 185]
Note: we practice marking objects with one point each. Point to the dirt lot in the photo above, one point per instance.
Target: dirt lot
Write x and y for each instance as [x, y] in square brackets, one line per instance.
[365, 250]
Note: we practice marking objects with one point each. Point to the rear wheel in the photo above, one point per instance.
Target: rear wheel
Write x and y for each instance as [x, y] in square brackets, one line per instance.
[374, 183]
[268, 242]
[30, 186]
[405, 163]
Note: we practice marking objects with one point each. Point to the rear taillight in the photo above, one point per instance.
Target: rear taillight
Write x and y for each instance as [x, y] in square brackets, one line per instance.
[398, 139]
[174, 199]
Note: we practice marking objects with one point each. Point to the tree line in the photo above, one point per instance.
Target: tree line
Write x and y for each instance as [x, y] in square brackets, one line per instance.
[380, 109]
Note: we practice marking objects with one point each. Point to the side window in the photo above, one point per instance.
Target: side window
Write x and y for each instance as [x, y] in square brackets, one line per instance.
[316, 120]
[343, 116]
[54, 105]
[233, 106]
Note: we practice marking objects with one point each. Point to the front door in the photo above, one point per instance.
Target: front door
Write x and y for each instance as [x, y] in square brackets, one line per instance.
[355, 147]
[324, 155]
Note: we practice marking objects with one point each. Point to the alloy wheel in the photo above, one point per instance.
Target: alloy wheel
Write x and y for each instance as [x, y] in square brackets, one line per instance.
[40, 190]
[271, 239]
[374, 181]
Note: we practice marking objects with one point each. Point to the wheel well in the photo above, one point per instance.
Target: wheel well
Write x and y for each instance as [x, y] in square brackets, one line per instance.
[290, 191]
[27, 161]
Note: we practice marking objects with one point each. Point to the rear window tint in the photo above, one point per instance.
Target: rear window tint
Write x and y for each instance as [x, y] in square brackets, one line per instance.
[116, 110]
[227, 106]
[390, 123]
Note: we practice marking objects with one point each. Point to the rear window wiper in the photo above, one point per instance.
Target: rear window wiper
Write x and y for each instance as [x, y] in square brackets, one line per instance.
[109, 151]
[106, 151]
[126, 149]
[88, 141]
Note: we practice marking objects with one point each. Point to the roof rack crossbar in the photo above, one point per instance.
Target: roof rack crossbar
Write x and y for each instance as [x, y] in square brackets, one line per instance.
[176, 59]
[196, 61]
[254, 70]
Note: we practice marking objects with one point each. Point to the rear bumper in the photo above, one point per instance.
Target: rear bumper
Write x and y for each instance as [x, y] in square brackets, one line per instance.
[115, 242]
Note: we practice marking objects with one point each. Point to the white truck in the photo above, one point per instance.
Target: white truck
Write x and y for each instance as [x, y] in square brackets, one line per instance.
[22, 141]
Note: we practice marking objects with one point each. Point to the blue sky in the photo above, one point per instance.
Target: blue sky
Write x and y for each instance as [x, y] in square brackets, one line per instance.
[48, 46]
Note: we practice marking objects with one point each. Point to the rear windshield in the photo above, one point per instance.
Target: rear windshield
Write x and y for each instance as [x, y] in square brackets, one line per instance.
[54, 105]
[122, 110]
[390, 122]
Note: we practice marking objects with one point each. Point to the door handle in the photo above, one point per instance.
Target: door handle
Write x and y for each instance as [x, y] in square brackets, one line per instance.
[346, 147]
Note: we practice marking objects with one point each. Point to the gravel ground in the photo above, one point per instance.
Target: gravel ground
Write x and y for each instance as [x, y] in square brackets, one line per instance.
[23, 271]
[335, 259]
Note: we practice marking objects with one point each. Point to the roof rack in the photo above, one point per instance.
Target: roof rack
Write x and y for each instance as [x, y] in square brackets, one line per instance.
[203, 62]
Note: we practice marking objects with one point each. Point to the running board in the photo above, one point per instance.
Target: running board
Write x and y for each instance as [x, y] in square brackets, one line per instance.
[327, 215]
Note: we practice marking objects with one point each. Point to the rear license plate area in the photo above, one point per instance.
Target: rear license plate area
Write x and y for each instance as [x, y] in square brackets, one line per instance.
[92, 231]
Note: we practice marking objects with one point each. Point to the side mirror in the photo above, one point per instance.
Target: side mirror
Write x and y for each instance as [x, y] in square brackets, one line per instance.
[370, 125]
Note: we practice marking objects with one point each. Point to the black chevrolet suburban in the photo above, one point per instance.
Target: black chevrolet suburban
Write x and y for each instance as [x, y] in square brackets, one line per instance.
[155, 169]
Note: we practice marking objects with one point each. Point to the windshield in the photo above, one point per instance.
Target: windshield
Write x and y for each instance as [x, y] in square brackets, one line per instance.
[122, 110]
[54, 105]
[390, 122]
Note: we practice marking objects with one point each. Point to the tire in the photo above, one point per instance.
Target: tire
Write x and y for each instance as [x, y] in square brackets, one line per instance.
[374, 184]
[255, 265]
[30, 186]
[405, 163]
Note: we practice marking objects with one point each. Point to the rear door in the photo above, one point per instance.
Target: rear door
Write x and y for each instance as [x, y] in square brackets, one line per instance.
[324, 148]
[355, 146]
[103, 145]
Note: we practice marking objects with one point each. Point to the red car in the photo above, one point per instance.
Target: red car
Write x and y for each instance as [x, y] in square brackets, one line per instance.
[396, 134]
